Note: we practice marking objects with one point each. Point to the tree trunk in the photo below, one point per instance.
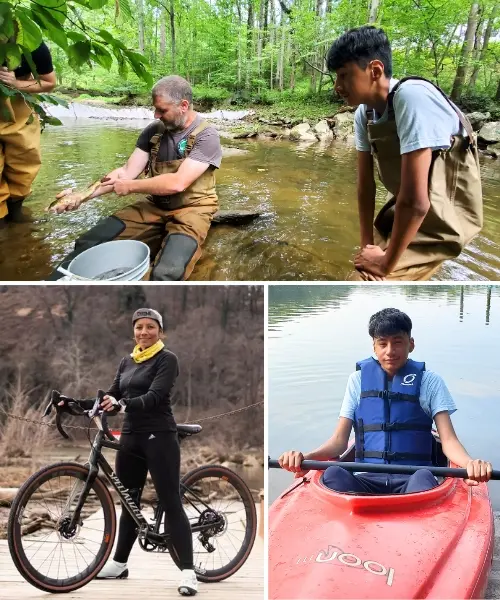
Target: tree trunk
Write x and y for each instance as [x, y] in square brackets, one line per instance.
[172, 33]
[272, 40]
[140, 24]
[497, 96]
[280, 71]
[250, 24]
[458, 84]
[373, 12]
[260, 34]
[239, 57]
[240, 26]
[163, 35]
[484, 48]
[265, 23]
[291, 53]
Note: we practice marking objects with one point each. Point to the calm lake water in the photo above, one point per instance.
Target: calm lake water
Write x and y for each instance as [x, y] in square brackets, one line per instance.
[309, 224]
[317, 333]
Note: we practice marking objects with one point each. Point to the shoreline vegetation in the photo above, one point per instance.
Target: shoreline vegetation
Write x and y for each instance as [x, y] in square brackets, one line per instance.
[301, 118]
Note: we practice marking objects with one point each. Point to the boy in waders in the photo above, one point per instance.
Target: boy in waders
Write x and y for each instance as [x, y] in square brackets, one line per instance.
[426, 156]
[391, 401]
[20, 158]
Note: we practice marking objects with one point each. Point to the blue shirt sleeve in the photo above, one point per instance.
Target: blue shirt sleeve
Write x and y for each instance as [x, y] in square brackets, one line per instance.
[360, 130]
[435, 396]
[351, 396]
[424, 119]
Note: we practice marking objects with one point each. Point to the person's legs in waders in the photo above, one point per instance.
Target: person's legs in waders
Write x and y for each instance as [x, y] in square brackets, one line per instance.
[142, 221]
[186, 230]
[174, 255]
[422, 271]
[20, 162]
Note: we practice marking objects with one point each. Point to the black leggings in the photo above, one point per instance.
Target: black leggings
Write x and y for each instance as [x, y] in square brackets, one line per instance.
[161, 457]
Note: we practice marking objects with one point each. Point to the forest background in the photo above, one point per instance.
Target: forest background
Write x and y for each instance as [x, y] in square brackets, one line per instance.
[72, 338]
[265, 54]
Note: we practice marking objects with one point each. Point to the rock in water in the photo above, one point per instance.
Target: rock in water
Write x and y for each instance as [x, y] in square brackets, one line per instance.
[490, 133]
[303, 133]
[234, 217]
[323, 131]
[344, 125]
[477, 119]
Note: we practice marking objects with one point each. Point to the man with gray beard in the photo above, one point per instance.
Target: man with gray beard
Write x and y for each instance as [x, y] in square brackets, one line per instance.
[178, 154]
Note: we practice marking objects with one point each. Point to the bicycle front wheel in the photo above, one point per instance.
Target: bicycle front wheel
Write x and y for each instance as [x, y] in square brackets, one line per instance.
[47, 551]
[220, 503]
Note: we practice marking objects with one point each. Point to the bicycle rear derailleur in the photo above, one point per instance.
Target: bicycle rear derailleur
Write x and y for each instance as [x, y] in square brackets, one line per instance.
[218, 525]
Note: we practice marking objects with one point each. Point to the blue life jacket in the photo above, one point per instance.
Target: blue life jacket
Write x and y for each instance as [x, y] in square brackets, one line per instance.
[391, 426]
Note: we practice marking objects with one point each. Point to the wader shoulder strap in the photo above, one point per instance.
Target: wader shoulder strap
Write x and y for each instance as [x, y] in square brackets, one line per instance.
[461, 117]
[192, 136]
[154, 142]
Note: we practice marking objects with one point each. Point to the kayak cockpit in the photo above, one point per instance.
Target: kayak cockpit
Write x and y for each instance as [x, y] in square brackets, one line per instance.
[367, 502]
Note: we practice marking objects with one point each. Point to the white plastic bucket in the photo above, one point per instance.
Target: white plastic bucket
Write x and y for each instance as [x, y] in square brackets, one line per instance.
[129, 257]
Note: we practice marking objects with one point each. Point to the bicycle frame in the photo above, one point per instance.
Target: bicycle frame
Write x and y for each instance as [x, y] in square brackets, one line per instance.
[98, 461]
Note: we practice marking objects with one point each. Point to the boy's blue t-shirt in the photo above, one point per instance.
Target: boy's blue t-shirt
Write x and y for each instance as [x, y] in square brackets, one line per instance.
[434, 395]
[424, 119]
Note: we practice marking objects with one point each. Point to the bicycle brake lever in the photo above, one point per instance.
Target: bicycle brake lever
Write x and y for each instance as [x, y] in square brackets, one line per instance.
[59, 425]
[54, 397]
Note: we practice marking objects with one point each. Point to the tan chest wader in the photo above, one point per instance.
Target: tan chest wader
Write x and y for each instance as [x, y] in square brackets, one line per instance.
[174, 228]
[19, 151]
[455, 215]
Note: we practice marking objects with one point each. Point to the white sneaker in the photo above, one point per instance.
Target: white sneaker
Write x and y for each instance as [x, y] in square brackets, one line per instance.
[189, 584]
[113, 570]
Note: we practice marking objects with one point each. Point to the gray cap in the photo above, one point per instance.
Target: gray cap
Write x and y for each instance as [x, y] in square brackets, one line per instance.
[147, 313]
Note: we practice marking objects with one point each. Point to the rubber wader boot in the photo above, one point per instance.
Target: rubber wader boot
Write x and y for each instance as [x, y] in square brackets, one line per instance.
[16, 214]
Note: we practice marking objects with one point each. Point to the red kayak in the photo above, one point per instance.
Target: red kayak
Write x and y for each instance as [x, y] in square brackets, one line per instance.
[433, 544]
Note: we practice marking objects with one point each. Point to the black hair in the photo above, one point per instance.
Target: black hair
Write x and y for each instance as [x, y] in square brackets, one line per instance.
[361, 45]
[389, 321]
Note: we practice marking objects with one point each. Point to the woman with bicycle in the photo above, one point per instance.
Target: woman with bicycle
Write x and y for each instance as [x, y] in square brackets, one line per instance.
[149, 441]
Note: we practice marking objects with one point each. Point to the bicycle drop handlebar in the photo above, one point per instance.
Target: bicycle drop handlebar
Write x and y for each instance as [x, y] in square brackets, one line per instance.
[96, 413]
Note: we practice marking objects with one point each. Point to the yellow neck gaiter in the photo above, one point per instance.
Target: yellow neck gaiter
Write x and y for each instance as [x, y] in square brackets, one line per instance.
[141, 355]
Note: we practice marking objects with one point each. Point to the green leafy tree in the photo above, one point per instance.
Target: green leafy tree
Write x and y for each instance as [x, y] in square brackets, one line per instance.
[24, 24]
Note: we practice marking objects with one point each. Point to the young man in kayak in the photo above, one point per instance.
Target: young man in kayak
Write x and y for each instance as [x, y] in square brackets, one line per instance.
[391, 401]
[426, 155]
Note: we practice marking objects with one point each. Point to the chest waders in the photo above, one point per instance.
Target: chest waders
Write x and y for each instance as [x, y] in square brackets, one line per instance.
[455, 215]
[20, 158]
[174, 227]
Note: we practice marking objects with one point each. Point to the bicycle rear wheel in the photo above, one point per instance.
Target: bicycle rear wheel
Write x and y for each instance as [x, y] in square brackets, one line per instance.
[46, 551]
[216, 495]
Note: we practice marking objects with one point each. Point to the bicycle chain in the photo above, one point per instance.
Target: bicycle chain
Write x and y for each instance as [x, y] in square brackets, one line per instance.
[47, 424]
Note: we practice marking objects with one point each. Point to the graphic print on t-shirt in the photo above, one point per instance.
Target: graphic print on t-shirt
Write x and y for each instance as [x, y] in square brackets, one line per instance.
[181, 148]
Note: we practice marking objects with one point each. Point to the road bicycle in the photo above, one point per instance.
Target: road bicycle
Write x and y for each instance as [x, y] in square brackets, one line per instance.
[62, 522]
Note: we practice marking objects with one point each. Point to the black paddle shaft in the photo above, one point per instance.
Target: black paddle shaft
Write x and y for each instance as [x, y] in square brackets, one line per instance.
[321, 465]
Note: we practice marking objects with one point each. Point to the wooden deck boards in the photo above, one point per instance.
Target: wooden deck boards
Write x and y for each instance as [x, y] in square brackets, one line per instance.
[152, 576]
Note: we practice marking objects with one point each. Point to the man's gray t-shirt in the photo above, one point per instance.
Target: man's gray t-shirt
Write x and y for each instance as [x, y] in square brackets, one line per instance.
[206, 149]
[424, 119]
